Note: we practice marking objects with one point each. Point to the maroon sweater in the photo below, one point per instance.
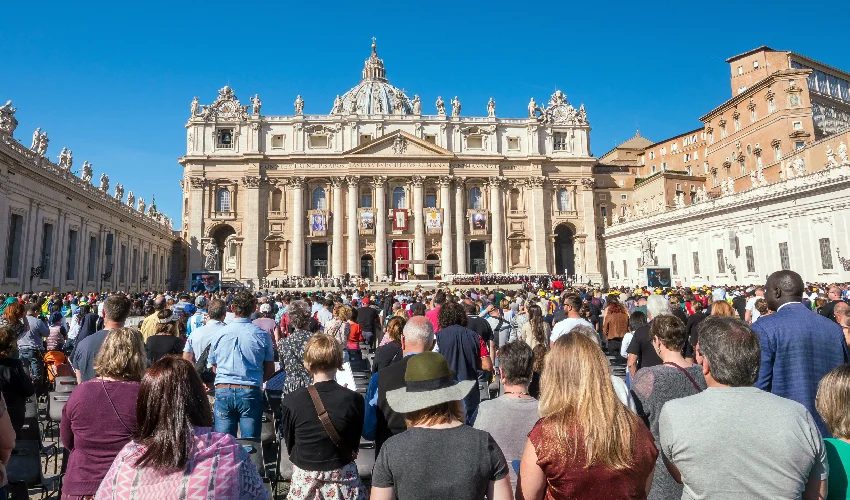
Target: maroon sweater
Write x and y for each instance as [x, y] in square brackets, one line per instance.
[93, 433]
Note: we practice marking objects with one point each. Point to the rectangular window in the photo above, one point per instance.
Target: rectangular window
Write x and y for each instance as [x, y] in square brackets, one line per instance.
[797, 125]
[612, 268]
[122, 274]
[134, 265]
[364, 138]
[474, 142]
[161, 269]
[696, 262]
[366, 199]
[722, 131]
[721, 262]
[513, 143]
[777, 153]
[110, 243]
[277, 142]
[13, 251]
[625, 269]
[224, 138]
[784, 259]
[653, 169]
[46, 251]
[92, 259]
[431, 138]
[771, 105]
[751, 259]
[603, 211]
[319, 141]
[664, 166]
[674, 264]
[72, 255]
[622, 182]
[624, 197]
[430, 201]
[799, 145]
[560, 142]
[825, 254]
[737, 124]
[603, 196]
[145, 265]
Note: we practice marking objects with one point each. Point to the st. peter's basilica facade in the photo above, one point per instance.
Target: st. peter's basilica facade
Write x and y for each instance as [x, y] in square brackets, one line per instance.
[378, 188]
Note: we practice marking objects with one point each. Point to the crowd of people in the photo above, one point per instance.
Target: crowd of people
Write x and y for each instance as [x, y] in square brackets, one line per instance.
[729, 392]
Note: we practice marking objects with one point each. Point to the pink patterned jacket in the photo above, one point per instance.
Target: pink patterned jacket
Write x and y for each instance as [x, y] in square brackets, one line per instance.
[218, 469]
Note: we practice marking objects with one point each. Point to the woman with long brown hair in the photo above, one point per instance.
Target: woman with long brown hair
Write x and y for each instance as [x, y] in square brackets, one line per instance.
[615, 325]
[535, 331]
[587, 445]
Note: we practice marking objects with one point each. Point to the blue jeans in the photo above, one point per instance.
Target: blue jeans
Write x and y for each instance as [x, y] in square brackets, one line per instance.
[242, 407]
[29, 355]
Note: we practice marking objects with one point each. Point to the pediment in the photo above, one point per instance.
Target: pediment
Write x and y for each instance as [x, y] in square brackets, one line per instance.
[398, 143]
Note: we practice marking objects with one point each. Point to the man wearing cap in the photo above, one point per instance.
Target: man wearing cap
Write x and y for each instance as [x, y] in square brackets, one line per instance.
[380, 421]
[197, 320]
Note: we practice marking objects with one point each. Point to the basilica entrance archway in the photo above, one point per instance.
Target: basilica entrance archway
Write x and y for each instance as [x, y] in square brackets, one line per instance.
[565, 259]
[367, 267]
[220, 236]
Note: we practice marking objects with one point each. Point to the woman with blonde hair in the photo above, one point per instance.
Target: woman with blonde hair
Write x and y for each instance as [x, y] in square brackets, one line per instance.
[100, 415]
[832, 402]
[723, 308]
[323, 466]
[437, 456]
[587, 444]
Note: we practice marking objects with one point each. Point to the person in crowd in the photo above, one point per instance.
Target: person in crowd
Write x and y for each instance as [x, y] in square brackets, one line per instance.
[655, 385]
[739, 304]
[166, 340]
[291, 349]
[325, 314]
[500, 326]
[116, 308]
[7, 444]
[243, 358]
[763, 310]
[338, 327]
[798, 346]
[100, 415]
[137, 311]
[150, 321]
[15, 384]
[390, 352]
[611, 455]
[734, 440]
[641, 351]
[200, 316]
[76, 324]
[352, 343]
[203, 337]
[267, 323]
[620, 388]
[418, 309]
[175, 449]
[832, 402]
[842, 317]
[434, 313]
[691, 329]
[834, 295]
[464, 350]
[752, 314]
[676, 309]
[369, 321]
[58, 333]
[31, 343]
[723, 308]
[572, 307]
[482, 327]
[380, 421]
[451, 460]
[615, 325]
[92, 320]
[511, 417]
[323, 466]
[535, 331]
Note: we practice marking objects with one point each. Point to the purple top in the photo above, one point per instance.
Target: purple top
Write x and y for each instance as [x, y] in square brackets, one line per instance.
[93, 432]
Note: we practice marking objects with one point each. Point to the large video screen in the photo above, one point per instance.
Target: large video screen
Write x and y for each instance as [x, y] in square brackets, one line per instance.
[658, 277]
[206, 281]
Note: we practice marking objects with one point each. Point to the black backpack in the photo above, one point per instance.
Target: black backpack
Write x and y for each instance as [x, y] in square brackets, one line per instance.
[206, 373]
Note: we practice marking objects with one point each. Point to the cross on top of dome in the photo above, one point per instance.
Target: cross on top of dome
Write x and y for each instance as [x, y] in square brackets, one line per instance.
[373, 68]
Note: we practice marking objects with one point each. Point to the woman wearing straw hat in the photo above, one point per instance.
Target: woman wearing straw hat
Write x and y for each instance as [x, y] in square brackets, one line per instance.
[438, 456]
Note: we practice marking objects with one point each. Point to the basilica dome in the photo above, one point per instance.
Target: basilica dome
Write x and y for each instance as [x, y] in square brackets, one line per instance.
[373, 95]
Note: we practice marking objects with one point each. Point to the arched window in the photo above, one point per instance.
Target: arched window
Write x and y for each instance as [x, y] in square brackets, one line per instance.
[399, 200]
[319, 201]
[475, 198]
[563, 200]
[223, 200]
[276, 201]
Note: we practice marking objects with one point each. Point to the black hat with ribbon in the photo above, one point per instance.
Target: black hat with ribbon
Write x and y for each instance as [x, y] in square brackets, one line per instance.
[428, 382]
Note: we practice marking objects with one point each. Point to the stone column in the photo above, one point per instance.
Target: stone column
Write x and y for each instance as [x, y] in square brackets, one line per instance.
[353, 238]
[496, 223]
[591, 252]
[297, 184]
[338, 216]
[418, 181]
[460, 225]
[539, 246]
[197, 188]
[253, 248]
[379, 183]
[445, 183]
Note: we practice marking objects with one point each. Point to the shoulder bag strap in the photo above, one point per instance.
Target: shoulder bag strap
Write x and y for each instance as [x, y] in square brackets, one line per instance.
[696, 386]
[327, 424]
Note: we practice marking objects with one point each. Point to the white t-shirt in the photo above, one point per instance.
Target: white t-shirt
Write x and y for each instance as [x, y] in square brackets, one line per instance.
[564, 326]
[627, 339]
[751, 306]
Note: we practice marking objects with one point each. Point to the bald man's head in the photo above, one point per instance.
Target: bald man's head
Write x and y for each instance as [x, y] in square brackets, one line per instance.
[783, 287]
[840, 311]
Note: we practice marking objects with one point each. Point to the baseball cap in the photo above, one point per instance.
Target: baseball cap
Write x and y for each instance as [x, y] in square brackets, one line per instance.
[266, 308]
[189, 309]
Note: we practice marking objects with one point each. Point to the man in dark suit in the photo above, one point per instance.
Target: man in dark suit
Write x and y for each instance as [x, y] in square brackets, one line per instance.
[380, 421]
[369, 321]
[798, 346]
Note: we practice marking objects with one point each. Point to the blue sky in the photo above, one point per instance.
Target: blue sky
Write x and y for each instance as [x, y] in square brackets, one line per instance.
[114, 81]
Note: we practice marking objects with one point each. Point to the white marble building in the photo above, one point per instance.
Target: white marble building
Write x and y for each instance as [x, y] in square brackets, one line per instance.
[61, 233]
[800, 222]
[382, 178]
